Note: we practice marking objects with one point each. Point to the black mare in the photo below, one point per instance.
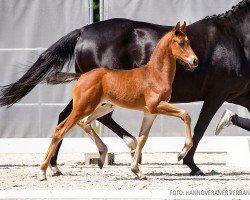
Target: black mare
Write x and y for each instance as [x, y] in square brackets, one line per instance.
[222, 44]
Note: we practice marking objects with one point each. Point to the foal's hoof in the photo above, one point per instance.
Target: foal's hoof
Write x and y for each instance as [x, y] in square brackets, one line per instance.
[180, 156]
[100, 163]
[139, 175]
[142, 177]
[42, 176]
[197, 173]
[102, 158]
[55, 171]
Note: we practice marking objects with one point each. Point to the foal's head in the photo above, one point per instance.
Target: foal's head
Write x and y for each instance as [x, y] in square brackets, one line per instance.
[181, 48]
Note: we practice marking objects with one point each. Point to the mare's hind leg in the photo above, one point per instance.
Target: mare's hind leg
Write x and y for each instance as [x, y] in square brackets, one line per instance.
[169, 109]
[147, 123]
[129, 139]
[104, 110]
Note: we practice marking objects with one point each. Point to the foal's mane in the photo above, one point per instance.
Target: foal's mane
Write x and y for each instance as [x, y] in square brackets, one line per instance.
[230, 12]
[168, 36]
[164, 41]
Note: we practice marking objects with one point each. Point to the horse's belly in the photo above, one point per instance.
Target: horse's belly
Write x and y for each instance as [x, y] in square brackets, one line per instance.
[128, 104]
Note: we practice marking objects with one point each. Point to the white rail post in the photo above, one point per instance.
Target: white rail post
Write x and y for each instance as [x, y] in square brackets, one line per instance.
[91, 15]
[101, 10]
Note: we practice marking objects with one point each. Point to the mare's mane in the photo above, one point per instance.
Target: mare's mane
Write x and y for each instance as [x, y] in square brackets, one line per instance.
[232, 11]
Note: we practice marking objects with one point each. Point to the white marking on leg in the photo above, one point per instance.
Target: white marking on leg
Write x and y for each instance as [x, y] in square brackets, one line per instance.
[130, 142]
[42, 175]
[55, 170]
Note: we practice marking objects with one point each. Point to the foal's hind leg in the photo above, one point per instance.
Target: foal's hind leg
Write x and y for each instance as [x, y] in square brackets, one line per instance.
[53, 162]
[86, 125]
[58, 135]
[168, 109]
[77, 113]
[103, 150]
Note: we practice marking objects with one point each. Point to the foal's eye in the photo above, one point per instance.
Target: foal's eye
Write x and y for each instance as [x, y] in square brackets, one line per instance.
[181, 44]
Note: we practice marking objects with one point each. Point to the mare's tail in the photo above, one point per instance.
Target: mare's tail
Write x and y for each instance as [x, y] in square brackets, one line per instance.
[50, 61]
[62, 77]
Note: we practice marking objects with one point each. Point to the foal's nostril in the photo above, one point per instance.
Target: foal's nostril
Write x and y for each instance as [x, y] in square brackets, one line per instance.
[196, 62]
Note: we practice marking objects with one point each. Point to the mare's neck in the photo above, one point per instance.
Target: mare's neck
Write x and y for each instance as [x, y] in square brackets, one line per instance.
[240, 23]
[162, 62]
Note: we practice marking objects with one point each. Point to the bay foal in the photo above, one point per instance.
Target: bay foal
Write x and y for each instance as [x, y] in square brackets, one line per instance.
[146, 89]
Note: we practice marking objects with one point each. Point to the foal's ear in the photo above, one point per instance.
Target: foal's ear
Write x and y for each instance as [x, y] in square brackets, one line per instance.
[183, 27]
[177, 27]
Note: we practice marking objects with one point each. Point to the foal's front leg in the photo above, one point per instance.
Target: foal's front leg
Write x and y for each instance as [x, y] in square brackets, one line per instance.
[169, 109]
[147, 123]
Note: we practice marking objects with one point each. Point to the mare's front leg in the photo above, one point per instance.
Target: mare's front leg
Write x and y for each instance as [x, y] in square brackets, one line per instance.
[147, 123]
[109, 122]
[169, 109]
[209, 108]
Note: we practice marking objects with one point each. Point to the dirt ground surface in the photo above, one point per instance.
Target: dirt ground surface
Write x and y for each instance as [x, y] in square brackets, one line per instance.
[19, 171]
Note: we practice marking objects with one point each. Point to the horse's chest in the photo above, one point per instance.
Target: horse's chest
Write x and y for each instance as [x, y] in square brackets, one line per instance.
[160, 95]
[164, 93]
[165, 96]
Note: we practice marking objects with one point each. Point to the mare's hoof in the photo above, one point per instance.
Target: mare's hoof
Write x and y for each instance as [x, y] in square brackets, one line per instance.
[42, 176]
[55, 171]
[197, 173]
[58, 173]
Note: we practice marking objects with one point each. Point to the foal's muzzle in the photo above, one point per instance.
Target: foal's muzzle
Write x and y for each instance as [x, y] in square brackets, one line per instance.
[190, 63]
[193, 61]
[196, 62]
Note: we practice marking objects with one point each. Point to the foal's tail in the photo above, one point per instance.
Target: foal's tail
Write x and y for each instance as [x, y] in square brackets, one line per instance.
[62, 77]
[51, 60]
